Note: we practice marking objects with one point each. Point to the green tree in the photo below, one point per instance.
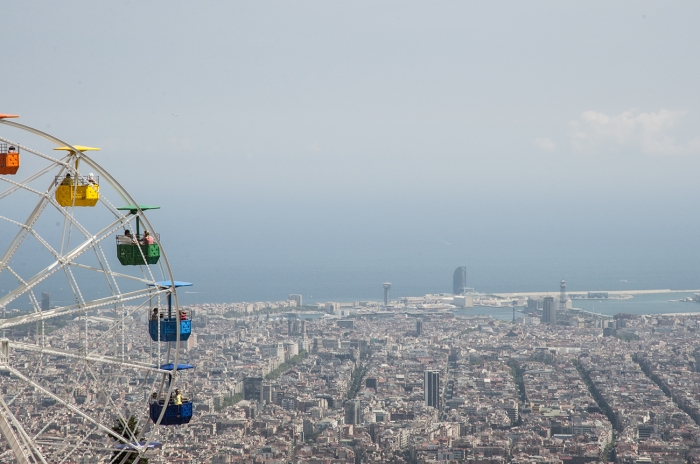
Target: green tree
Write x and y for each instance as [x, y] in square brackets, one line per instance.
[356, 380]
[285, 366]
[129, 433]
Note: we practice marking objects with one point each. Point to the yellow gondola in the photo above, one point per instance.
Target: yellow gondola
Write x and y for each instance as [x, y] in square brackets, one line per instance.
[77, 190]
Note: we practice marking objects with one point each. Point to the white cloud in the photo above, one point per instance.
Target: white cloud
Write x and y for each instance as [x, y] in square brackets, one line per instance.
[650, 132]
[545, 143]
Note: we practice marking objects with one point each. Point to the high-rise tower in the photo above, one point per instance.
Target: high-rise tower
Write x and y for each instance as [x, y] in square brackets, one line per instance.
[562, 295]
[431, 387]
[45, 301]
[352, 412]
[459, 281]
[253, 389]
[387, 287]
[549, 311]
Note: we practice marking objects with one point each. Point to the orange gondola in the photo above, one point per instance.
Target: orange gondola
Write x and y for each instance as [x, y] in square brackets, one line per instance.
[9, 154]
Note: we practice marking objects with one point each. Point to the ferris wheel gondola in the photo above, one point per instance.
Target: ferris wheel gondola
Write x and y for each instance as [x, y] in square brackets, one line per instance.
[137, 249]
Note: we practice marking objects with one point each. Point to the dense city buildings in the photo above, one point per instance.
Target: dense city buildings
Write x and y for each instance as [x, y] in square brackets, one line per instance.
[296, 298]
[357, 383]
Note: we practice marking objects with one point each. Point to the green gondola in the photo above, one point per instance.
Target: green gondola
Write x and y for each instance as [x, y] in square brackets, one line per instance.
[134, 250]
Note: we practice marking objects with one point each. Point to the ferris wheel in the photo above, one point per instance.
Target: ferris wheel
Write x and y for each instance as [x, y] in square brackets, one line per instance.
[91, 334]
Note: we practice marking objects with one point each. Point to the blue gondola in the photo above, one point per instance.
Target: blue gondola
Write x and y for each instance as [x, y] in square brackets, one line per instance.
[168, 324]
[175, 414]
[168, 330]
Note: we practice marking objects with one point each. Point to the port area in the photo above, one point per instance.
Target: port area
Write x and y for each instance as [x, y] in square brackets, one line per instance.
[501, 300]
[593, 295]
[583, 304]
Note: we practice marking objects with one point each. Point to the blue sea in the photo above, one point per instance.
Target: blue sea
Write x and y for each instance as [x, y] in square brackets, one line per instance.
[357, 277]
[330, 249]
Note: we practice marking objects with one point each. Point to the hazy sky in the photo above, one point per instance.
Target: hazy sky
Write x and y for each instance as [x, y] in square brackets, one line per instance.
[385, 139]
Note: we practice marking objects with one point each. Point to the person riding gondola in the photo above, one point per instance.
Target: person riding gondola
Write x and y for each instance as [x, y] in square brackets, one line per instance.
[68, 180]
[126, 239]
[147, 239]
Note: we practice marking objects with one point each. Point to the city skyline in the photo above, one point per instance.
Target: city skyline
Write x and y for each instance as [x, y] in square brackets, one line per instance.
[350, 233]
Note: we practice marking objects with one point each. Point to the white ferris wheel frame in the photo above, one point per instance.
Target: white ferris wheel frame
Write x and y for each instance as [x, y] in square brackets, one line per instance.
[25, 448]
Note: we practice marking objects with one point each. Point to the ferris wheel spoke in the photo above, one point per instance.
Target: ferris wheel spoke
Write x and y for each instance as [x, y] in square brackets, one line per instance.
[74, 285]
[17, 437]
[70, 221]
[55, 414]
[147, 273]
[98, 237]
[72, 309]
[35, 235]
[20, 346]
[19, 185]
[42, 241]
[106, 269]
[31, 178]
[44, 439]
[110, 207]
[32, 297]
[43, 429]
[92, 238]
[37, 153]
[56, 265]
[67, 449]
[115, 407]
[74, 409]
[109, 272]
[119, 321]
[19, 238]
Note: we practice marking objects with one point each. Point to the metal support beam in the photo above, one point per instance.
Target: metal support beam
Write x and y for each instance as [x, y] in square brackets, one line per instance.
[25, 452]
